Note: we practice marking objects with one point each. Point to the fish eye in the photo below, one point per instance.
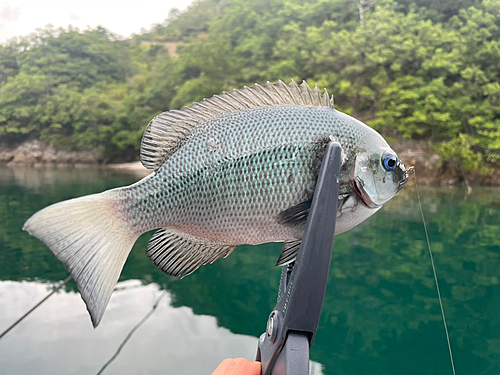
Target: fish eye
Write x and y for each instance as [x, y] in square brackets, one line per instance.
[390, 162]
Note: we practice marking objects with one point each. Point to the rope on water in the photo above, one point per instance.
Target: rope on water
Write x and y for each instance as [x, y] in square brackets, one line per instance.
[63, 283]
[143, 320]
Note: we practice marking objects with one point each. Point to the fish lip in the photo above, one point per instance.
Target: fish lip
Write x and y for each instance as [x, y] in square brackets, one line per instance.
[403, 182]
[357, 187]
[407, 176]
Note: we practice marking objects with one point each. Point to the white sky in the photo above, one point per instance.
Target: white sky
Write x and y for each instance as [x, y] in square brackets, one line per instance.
[123, 17]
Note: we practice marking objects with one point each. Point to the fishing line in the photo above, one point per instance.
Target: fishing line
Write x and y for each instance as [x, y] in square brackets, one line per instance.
[37, 305]
[435, 275]
[143, 320]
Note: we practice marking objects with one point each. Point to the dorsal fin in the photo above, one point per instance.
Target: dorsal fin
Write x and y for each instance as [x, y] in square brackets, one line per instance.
[164, 134]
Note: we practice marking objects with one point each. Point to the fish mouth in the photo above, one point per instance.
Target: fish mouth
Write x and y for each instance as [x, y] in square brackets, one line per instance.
[403, 182]
[406, 175]
[357, 187]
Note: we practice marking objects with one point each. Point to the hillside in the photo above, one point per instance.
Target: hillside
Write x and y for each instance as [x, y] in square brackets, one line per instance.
[420, 70]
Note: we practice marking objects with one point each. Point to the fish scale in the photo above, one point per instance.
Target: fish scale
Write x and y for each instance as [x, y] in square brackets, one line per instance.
[241, 135]
[238, 168]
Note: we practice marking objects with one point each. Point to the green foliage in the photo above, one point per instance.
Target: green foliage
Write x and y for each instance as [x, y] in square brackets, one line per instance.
[424, 69]
[459, 150]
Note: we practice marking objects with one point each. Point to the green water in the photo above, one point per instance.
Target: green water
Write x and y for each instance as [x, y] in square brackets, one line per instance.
[381, 314]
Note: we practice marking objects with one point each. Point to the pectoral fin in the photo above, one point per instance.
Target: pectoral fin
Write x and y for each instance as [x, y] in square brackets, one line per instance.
[295, 215]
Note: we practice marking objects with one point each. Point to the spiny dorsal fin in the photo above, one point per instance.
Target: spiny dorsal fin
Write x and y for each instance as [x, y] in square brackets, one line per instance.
[165, 132]
[180, 254]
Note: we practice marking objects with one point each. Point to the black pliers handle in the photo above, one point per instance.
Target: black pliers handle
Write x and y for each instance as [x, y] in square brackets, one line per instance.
[291, 327]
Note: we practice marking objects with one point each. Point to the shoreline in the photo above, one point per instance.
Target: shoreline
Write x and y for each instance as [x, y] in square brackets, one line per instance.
[430, 169]
[135, 167]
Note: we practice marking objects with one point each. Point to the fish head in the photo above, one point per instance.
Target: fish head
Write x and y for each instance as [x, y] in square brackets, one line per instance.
[378, 175]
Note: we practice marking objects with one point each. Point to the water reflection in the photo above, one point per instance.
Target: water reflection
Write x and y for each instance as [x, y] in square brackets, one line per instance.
[381, 313]
[58, 338]
[44, 178]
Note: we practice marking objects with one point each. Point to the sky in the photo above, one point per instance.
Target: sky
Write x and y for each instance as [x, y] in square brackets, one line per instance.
[122, 17]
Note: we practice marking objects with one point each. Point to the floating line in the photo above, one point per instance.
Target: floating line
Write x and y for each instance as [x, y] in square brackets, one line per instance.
[143, 320]
[34, 307]
[435, 276]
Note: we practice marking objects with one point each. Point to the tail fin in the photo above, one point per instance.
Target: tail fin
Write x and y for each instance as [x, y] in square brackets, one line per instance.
[91, 240]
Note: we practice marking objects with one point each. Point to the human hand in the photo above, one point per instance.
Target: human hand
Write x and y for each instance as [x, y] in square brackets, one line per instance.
[237, 366]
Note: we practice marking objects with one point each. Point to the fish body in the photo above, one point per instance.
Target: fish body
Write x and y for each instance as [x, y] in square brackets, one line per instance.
[248, 169]
[239, 168]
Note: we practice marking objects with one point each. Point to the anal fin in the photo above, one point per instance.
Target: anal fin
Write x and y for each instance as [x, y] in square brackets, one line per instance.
[288, 252]
[179, 254]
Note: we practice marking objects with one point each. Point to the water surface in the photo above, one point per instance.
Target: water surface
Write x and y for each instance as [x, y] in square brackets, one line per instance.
[381, 314]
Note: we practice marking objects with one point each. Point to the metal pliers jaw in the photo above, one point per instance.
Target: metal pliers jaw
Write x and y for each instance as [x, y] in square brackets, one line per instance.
[291, 327]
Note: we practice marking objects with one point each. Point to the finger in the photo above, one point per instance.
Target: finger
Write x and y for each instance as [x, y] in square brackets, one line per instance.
[237, 366]
[242, 366]
[221, 369]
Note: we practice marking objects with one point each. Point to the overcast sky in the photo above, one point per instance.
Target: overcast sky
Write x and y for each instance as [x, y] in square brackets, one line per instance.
[123, 17]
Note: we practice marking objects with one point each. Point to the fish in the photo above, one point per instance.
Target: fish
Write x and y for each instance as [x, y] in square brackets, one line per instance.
[237, 168]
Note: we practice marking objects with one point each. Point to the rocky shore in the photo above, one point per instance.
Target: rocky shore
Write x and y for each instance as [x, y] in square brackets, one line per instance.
[432, 171]
[428, 165]
[36, 154]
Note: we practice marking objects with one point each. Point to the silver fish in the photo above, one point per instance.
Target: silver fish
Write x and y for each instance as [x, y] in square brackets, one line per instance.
[238, 168]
